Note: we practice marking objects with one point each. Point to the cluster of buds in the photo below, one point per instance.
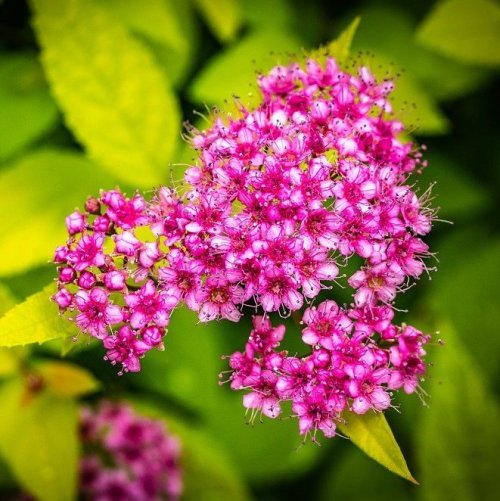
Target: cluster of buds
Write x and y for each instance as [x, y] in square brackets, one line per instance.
[127, 457]
[282, 197]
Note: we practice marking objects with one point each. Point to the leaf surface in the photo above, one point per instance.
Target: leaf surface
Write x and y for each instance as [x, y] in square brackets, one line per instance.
[39, 443]
[390, 30]
[35, 320]
[372, 434]
[114, 96]
[458, 435]
[467, 291]
[38, 192]
[28, 110]
[67, 380]
[222, 16]
[341, 46]
[466, 30]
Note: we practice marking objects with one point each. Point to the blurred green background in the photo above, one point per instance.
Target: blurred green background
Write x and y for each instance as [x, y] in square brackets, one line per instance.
[93, 94]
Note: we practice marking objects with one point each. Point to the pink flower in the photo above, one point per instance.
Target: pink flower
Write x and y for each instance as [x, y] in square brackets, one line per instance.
[327, 325]
[126, 243]
[96, 312]
[75, 223]
[148, 305]
[278, 290]
[314, 413]
[88, 252]
[126, 214]
[364, 386]
[263, 397]
[218, 298]
[379, 282]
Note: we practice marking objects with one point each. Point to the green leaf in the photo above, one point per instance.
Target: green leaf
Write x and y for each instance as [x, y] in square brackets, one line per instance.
[34, 321]
[341, 46]
[208, 473]
[28, 282]
[411, 103]
[458, 436]
[9, 361]
[7, 300]
[39, 443]
[390, 31]
[466, 30]
[342, 480]
[153, 19]
[222, 16]
[114, 96]
[467, 290]
[38, 192]
[168, 29]
[176, 62]
[262, 14]
[67, 380]
[28, 111]
[233, 72]
[373, 435]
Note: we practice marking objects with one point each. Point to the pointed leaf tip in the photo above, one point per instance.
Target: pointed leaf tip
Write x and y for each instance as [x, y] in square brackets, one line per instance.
[372, 434]
[340, 47]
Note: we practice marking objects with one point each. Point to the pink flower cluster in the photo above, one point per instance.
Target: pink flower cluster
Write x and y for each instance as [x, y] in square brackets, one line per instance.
[346, 369]
[127, 457]
[282, 197]
[108, 277]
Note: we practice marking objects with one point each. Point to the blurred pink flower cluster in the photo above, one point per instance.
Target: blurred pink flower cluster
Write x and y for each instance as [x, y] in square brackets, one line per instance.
[127, 457]
[283, 196]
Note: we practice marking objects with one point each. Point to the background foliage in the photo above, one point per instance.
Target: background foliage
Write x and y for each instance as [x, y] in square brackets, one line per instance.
[93, 94]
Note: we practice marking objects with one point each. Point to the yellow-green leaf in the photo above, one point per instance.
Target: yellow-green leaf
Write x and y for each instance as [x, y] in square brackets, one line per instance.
[168, 29]
[466, 30]
[114, 96]
[35, 320]
[38, 192]
[222, 16]
[39, 442]
[340, 47]
[153, 19]
[263, 14]
[28, 110]
[458, 436]
[373, 435]
[67, 380]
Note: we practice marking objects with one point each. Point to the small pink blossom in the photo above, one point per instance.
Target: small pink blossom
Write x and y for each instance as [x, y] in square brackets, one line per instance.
[96, 312]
